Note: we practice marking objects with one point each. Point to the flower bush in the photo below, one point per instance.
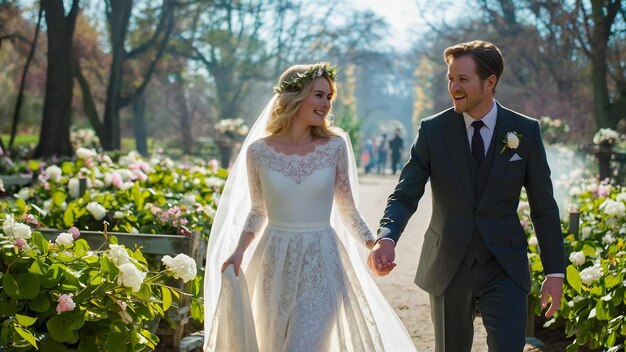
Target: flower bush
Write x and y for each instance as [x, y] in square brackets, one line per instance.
[62, 295]
[593, 309]
[84, 138]
[231, 128]
[606, 136]
[132, 194]
[552, 129]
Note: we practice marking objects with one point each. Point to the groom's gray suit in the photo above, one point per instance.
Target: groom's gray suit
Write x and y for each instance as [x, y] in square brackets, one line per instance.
[475, 248]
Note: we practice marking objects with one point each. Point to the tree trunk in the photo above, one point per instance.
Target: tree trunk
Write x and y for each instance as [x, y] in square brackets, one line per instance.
[89, 106]
[184, 119]
[598, 44]
[139, 124]
[118, 18]
[54, 138]
[20, 95]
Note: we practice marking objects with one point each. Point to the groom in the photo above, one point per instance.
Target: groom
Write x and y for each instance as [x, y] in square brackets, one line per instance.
[477, 155]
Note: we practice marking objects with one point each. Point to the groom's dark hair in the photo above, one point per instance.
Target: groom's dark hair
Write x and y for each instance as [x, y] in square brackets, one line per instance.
[487, 56]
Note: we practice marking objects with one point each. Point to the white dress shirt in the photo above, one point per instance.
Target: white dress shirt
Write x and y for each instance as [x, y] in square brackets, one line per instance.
[487, 130]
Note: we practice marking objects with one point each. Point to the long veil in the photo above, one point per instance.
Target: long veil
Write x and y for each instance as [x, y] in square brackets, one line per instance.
[232, 210]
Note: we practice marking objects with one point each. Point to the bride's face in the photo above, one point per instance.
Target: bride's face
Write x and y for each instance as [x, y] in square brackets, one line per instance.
[316, 106]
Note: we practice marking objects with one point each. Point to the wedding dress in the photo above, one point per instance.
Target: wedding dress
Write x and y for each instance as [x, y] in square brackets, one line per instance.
[305, 296]
[308, 286]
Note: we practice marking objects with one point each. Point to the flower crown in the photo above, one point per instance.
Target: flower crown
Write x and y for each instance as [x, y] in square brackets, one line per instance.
[301, 79]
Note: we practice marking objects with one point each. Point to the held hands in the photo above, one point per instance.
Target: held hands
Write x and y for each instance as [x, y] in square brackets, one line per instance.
[381, 258]
[235, 259]
[553, 287]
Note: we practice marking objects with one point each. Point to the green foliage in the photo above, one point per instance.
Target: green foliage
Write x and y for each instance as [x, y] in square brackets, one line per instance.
[593, 308]
[352, 127]
[64, 296]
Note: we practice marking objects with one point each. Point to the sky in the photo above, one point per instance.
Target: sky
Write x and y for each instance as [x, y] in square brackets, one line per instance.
[404, 17]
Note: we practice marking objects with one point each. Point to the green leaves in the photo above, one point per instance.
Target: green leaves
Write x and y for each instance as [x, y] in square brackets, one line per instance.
[25, 286]
[573, 278]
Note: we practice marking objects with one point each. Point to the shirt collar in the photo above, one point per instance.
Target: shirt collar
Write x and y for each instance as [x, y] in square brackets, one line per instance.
[489, 119]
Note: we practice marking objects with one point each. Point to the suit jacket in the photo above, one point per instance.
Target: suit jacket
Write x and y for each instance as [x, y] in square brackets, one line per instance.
[440, 154]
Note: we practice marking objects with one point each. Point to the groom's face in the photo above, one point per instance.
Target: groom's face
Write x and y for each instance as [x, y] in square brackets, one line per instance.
[469, 93]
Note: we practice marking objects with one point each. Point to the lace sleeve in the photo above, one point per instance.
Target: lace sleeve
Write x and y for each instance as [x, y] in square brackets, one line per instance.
[258, 214]
[344, 200]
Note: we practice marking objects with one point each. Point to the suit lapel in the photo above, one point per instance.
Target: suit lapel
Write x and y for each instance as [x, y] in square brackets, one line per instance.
[504, 124]
[456, 138]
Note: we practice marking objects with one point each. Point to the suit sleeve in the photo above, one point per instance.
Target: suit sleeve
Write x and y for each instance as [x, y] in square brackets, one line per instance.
[402, 203]
[544, 211]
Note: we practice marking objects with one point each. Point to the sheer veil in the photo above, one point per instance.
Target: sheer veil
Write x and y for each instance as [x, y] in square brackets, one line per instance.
[232, 210]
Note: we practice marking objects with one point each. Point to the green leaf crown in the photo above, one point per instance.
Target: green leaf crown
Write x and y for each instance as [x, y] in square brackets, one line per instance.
[301, 78]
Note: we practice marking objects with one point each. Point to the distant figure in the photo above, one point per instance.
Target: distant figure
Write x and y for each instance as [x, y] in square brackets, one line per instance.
[397, 147]
[382, 154]
[368, 149]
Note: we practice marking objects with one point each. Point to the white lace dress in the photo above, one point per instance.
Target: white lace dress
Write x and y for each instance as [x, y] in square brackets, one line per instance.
[303, 289]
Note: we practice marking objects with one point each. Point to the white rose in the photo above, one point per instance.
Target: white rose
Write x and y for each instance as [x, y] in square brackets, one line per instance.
[608, 238]
[97, 210]
[512, 141]
[621, 197]
[15, 229]
[586, 232]
[119, 215]
[591, 274]
[54, 172]
[577, 258]
[73, 187]
[181, 266]
[65, 239]
[84, 153]
[130, 276]
[613, 208]
[574, 191]
[118, 255]
[532, 241]
[189, 198]
[23, 194]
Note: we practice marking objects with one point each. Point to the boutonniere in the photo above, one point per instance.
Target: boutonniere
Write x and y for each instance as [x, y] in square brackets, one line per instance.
[511, 141]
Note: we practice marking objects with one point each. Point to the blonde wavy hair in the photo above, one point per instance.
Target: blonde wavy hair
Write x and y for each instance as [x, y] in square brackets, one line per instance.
[288, 101]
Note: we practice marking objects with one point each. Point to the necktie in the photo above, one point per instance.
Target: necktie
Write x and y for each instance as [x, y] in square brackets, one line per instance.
[478, 146]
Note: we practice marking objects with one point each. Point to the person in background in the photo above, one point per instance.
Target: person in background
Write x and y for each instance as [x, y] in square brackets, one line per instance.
[396, 144]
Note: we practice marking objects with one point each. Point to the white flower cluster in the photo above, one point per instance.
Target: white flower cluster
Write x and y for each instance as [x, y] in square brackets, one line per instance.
[85, 153]
[577, 258]
[97, 210]
[231, 127]
[130, 275]
[15, 229]
[613, 208]
[591, 274]
[181, 266]
[65, 239]
[606, 135]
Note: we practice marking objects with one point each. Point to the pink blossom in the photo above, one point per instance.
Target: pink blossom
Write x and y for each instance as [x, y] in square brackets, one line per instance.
[524, 224]
[29, 219]
[20, 242]
[66, 303]
[116, 179]
[213, 165]
[74, 231]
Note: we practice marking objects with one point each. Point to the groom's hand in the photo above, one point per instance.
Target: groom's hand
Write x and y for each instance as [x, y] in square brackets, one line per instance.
[553, 287]
[381, 258]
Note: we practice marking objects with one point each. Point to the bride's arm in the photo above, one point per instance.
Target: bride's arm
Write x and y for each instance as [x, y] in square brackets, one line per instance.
[345, 201]
[256, 217]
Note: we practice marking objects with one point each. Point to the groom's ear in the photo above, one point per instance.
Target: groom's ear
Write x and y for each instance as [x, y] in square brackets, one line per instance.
[490, 84]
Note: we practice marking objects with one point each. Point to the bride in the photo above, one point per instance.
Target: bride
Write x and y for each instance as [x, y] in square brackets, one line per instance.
[308, 286]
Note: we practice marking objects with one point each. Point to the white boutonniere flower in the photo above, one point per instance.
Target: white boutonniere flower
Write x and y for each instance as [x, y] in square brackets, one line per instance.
[511, 141]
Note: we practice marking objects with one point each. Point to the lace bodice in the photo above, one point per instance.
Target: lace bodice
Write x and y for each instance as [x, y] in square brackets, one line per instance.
[300, 189]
